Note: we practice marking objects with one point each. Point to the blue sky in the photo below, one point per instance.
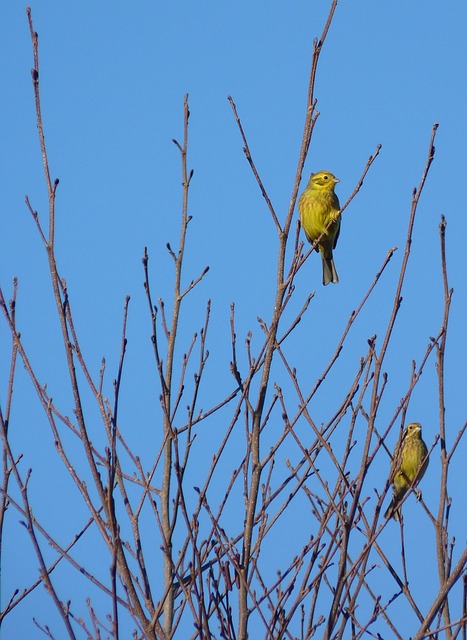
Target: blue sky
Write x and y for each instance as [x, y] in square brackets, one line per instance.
[113, 79]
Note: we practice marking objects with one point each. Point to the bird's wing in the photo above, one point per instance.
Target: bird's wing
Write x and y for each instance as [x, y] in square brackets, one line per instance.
[397, 457]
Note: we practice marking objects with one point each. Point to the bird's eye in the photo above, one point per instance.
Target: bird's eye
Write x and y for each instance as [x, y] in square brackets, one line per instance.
[326, 177]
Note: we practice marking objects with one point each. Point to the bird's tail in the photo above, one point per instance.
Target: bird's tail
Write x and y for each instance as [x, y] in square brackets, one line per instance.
[393, 511]
[329, 269]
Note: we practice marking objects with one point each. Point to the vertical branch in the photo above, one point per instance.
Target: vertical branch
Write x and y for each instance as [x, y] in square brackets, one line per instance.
[112, 464]
[444, 501]
[4, 423]
[311, 115]
[271, 342]
[6, 418]
[35, 81]
[257, 412]
[398, 298]
[56, 283]
[167, 385]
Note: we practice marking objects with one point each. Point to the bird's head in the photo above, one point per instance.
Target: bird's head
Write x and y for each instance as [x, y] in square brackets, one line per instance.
[414, 429]
[323, 181]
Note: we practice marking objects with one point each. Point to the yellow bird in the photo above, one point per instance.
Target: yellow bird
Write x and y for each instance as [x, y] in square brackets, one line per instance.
[318, 206]
[408, 466]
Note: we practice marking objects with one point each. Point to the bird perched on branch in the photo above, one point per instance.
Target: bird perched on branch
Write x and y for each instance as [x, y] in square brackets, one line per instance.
[408, 466]
[319, 214]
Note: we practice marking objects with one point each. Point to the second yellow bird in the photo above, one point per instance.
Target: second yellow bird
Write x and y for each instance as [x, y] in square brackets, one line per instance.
[408, 466]
[318, 207]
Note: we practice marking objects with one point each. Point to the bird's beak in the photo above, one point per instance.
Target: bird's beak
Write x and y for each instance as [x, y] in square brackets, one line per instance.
[336, 180]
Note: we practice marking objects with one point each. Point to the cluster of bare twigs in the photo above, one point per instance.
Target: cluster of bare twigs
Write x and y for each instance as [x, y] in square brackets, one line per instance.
[219, 577]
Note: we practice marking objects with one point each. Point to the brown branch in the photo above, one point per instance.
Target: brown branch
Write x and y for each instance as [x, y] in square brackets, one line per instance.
[311, 115]
[441, 523]
[246, 151]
